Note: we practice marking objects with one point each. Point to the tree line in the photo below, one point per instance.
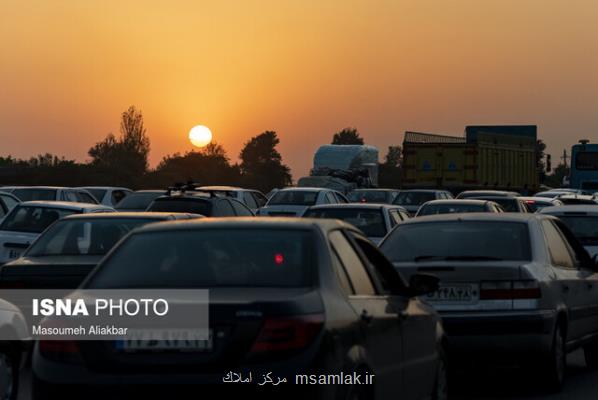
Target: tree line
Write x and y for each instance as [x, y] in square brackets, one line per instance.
[123, 161]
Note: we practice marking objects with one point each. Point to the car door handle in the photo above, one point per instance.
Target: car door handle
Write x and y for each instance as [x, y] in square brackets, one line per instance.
[366, 317]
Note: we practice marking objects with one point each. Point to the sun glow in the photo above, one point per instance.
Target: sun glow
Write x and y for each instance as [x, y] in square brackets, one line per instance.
[200, 136]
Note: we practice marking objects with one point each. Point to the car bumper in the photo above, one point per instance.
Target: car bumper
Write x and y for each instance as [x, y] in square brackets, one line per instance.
[501, 333]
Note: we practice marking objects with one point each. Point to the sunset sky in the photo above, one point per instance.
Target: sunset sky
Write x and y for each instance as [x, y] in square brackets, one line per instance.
[303, 68]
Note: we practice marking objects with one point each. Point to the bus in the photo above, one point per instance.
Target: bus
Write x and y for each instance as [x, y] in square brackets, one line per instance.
[584, 166]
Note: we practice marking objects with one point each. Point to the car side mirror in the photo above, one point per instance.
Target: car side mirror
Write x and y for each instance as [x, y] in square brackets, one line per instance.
[421, 284]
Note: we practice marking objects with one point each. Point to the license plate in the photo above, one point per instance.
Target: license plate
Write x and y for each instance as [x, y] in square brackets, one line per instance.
[165, 340]
[455, 294]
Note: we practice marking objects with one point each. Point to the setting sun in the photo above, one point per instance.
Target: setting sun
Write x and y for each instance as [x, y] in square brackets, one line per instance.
[200, 136]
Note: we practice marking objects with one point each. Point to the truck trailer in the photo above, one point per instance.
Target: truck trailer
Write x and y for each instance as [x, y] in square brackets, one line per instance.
[486, 157]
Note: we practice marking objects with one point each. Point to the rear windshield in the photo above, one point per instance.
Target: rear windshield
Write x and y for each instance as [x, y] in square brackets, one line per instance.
[584, 227]
[193, 206]
[414, 198]
[33, 219]
[294, 198]
[81, 237]
[458, 240]
[97, 193]
[210, 258]
[509, 204]
[371, 222]
[369, 197]
[137, 201]
[35, 194]
[432, 209]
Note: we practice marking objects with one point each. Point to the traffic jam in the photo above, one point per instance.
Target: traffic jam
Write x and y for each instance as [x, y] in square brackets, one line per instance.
[334, 288]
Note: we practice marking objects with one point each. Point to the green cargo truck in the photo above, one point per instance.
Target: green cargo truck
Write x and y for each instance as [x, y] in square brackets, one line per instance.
[488, 157]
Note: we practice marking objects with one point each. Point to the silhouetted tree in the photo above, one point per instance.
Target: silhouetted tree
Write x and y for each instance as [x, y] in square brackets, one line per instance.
[123, 160]
[347, 136]
[261, 164]
[390, 171]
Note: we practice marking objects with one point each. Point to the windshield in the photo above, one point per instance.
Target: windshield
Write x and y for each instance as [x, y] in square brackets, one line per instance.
[509, 204]
[33, 219]
[81, 237]
[584, 227]
[458, 240]
[97, 193]
[374, 196]
[432, 209]
[210, 258]
[294, 198]
[138, 201]
[193, 206]
[371, 222]
[414, 198]
[32, 194]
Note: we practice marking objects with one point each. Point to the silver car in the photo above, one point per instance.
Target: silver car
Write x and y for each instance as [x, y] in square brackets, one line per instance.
[511, 285]
[583, 222]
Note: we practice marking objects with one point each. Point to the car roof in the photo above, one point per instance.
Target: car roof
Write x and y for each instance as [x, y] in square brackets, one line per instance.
[493, 217]
[103, 187]
[492, 198]
[196, 196]
[537, 199]
[423, 190]
[41, 187]
[248, 223]
[223, 188]
[573, 208]
[373, 206]
[132, 215]
[479, 202]
[490, 192]
[304, 189]
[69, 205]
[375, 190]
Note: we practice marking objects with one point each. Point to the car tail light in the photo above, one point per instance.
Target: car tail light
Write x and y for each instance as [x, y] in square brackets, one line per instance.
[60, 350]
[287, 333]
[509, 290]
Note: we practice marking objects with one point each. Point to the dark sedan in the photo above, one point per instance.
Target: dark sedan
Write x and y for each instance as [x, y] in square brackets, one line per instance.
[69, 249]
[304, 299]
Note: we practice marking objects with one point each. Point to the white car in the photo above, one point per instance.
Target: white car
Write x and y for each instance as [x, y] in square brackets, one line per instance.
[253, 199]
[24, 223]
[14, 339]
[293, 202]
[374, 220]
[107, 195]
[582, 220]
[50, 193]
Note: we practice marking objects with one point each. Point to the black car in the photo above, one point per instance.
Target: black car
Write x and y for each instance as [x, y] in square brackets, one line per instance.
[305, 300]
[379, 196]
[70, 248]
[139, 200]
[207, 205]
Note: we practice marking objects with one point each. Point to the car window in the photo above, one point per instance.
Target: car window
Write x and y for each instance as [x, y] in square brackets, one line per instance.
[207, 258]
[9, 202]
[260, 199]
[294, 198]
[329, 198]
[33, 219]
[182, 204]
[29, 194]
[97, 193]
[557, 248]
[240, 209]
[357, 272]
[394, 217]
[86, 197]
[138, 201]
[341, 274]
[458, 240]
[341, 198]
[3, 208]
[249, 200]
[71, 195]
[117, 196]
[413, 198]
[370, 221]
[385, 272]
[223, 208]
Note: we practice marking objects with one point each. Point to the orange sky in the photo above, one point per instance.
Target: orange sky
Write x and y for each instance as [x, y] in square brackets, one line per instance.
[304, 68]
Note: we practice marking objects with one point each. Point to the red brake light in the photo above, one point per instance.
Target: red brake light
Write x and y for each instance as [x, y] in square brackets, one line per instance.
[288, 333]
[509, 290]
[278, 259]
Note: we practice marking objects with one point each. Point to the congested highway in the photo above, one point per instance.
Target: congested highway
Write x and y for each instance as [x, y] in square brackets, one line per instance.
[487, 294]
